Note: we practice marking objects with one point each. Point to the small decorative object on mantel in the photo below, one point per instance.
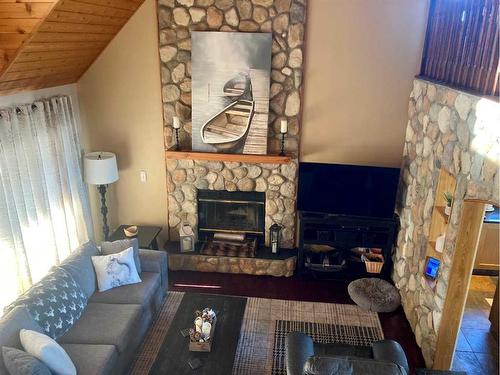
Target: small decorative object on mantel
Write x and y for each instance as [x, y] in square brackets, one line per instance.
[275, 234]
[176, 124]
[448, 197]
[283, 131]
[201, 336]
[187, 238]
[131, 231]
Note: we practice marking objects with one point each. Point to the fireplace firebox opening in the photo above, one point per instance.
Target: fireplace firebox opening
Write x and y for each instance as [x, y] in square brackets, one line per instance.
[231, 223]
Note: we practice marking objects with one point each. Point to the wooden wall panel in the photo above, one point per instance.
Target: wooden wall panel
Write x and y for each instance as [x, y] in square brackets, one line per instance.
[46, 43]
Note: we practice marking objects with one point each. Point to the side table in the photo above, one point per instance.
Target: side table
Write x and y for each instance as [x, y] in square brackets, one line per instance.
[147, 236]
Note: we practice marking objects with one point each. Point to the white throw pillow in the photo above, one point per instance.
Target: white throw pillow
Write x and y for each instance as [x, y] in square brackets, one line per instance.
[115, 270]
[48, 351]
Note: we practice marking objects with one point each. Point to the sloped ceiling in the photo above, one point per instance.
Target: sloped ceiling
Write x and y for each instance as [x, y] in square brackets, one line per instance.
[49, 43]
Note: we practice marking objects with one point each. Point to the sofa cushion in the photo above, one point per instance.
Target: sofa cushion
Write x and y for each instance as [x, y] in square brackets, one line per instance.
[18, 362]
[55, 302]
[328, 365]
[155, 261]
[140, 293]
[118, 246]
[108, 324]
[92, 359]
[317, 365]
[10, 325]
[79, 265]
[341, 350]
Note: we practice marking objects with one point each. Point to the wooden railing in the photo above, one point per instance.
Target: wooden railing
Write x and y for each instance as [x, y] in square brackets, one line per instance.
[461, 46]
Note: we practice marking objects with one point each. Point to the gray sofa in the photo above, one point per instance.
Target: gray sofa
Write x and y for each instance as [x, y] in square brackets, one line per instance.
[106, 337]
[305, 357]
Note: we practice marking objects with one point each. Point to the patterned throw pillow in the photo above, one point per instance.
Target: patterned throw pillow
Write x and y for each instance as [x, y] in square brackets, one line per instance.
[115, 270]
[118, 246]
[55, 303]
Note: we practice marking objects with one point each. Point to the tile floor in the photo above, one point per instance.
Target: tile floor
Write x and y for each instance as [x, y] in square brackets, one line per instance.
[477, 349]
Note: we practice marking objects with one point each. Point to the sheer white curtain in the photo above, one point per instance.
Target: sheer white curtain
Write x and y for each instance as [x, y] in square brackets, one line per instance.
[44, 209]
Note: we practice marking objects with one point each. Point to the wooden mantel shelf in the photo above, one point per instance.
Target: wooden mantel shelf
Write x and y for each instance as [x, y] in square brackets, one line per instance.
[242, 158]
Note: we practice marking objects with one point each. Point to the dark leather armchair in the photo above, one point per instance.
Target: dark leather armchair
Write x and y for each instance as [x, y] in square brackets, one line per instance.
[305, 357]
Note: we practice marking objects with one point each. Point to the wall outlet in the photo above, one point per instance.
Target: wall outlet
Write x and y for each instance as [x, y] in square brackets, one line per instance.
[143, 176]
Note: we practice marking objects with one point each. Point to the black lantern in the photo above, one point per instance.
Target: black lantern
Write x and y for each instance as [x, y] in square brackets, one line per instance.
[275, 234]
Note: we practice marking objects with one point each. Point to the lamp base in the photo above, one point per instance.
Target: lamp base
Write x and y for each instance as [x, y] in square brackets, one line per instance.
[104, 211]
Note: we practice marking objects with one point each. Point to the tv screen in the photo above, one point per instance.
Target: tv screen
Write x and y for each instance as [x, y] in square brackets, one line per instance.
[347, 189]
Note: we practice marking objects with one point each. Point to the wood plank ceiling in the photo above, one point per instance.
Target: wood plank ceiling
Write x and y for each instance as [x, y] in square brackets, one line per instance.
[46, 43]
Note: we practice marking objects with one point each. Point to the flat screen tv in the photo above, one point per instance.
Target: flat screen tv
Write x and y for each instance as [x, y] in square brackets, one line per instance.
[347, 189]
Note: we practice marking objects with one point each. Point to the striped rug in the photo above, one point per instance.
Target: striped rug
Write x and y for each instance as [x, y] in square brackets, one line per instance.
[261, 348]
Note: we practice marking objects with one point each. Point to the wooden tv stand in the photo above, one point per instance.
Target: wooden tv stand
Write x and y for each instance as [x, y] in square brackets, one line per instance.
[343, 233]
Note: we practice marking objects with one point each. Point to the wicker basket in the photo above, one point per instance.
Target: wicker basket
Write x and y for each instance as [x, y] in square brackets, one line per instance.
[373, 262]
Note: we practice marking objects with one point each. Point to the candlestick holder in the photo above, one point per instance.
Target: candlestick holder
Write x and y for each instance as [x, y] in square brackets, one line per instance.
[177, 146]
[282, 148]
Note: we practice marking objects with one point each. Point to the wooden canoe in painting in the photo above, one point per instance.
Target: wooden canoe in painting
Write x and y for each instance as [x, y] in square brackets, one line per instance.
[238, 86]
[228, 128]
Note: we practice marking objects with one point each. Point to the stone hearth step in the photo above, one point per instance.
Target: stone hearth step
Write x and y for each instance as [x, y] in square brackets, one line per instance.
[265, 263]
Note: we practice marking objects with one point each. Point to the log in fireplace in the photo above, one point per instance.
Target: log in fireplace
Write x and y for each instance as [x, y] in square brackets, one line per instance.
[230, 223]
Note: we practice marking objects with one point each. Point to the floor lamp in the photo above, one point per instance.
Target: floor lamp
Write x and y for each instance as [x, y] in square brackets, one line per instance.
[101, 170]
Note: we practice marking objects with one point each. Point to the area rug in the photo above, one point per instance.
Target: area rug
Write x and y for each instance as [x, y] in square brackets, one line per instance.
[266, 322]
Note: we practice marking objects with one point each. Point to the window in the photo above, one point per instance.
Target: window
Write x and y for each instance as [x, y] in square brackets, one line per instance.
[44, 209]
[461, 46]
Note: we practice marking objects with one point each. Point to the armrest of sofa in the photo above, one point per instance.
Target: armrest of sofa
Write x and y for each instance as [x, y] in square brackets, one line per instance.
[155, 261]
[391, 351]
[299, 347]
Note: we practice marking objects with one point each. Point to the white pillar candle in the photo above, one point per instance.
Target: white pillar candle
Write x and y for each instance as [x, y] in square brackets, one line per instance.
[284, 126]
[176, 122]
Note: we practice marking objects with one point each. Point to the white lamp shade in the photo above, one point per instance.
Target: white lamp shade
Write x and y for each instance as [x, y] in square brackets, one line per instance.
[100, 168]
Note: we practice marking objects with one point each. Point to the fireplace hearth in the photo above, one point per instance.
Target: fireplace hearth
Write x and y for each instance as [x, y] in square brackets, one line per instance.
[231, 232]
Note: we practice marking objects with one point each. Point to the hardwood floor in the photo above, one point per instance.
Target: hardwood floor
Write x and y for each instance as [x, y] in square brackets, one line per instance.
[394, 325]
[477, 349]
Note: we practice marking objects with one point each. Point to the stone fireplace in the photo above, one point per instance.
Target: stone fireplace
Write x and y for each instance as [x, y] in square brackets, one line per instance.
[276, 183]
[188, 176]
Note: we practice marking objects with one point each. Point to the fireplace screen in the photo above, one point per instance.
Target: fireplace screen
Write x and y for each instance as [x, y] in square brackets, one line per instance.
[230, 212]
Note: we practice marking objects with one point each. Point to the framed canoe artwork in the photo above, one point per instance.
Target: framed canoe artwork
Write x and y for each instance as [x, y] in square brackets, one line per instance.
[231, 75]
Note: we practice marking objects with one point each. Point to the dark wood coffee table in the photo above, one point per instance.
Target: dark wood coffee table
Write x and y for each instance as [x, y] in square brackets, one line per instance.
[174, 354]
